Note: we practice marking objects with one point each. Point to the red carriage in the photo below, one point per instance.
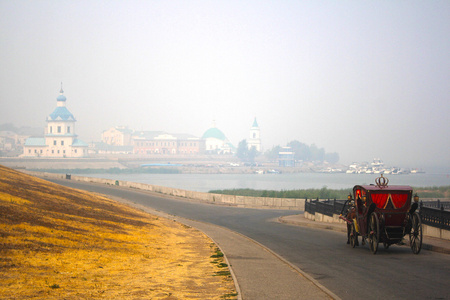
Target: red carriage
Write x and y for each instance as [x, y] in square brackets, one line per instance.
[383, 213]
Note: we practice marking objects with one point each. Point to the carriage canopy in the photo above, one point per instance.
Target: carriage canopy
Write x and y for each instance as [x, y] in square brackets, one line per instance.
[385, 197]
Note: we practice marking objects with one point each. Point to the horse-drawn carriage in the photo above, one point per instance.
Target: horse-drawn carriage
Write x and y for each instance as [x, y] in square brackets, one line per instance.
[383, 213]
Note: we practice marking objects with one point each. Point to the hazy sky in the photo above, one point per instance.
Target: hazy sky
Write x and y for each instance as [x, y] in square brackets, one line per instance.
[362, 78]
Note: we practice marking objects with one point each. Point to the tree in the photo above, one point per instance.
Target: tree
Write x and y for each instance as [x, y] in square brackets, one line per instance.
[8, 127]
[252, 154]
[272, 154]
[304, 152]
[317, 154]
[244, 154]
[332, 157]
[301, 150]
[241, 151]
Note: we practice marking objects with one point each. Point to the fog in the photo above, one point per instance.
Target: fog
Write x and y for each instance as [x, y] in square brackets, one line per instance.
[362, 78]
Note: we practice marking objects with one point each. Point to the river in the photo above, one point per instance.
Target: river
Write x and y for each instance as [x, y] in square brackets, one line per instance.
[291, 181]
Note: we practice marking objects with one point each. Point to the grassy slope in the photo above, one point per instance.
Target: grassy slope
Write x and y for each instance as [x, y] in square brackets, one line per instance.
[57, 242]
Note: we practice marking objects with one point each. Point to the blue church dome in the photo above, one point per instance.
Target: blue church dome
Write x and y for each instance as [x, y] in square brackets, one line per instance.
[61, 98]
[61, 113]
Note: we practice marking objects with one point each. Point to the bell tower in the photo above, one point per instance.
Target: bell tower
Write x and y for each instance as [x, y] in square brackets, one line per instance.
[255, 139]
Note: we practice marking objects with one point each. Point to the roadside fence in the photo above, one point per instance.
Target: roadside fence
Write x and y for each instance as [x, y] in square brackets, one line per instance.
[435, 216]
[432, 213]
[327, 207]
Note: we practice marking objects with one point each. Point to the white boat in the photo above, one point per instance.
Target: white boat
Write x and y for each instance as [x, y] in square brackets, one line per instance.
[395, 171]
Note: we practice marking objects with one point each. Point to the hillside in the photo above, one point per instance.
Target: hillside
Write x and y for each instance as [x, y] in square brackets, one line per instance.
[57, 242]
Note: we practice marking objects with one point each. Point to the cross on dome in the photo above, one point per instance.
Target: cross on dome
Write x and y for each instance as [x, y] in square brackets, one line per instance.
[61, 98]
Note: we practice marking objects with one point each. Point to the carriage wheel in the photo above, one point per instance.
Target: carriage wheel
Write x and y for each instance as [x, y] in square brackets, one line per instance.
[415, 235]
[374, 233]
[353, 236]
[386, 245]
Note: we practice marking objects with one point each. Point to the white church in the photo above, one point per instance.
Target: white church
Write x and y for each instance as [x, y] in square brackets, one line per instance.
[59, 140]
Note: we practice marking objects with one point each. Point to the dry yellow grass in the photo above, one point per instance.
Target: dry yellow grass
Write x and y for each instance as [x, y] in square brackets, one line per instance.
[61, 243]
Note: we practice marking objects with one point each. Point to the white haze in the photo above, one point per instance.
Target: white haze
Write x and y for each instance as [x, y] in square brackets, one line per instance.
[362, 78]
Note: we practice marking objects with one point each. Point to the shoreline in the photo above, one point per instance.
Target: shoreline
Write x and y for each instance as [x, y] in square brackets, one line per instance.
[184, 165]
[180, 164]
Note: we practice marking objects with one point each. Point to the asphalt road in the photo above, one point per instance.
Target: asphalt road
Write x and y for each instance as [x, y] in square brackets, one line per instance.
[349, 273]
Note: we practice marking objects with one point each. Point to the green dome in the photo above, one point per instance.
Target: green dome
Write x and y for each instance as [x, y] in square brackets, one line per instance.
[214, 133]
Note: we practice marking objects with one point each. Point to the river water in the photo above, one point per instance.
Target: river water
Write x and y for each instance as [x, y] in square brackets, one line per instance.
[291, 181]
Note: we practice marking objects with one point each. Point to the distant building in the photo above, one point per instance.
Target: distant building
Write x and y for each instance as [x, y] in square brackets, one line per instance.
[7, 140]
[159, 142]
[286, 157]
[11, 142]
[216, 142]
[117, 136]
[255, 139]
[188, 145]
[103, 148]
[213, 141]
[59, 139]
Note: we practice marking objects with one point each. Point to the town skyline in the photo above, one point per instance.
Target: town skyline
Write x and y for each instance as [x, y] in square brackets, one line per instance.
[361, 79]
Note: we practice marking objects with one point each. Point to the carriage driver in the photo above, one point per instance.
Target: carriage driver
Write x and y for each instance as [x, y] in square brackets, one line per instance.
[351, 215]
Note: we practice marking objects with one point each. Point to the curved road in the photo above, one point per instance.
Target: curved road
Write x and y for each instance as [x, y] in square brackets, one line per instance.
[349, 273]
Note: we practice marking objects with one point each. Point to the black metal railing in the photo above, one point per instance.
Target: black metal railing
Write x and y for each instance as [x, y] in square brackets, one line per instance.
[432, 213]
[436, 217]
[326, 207]
[437, 204]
